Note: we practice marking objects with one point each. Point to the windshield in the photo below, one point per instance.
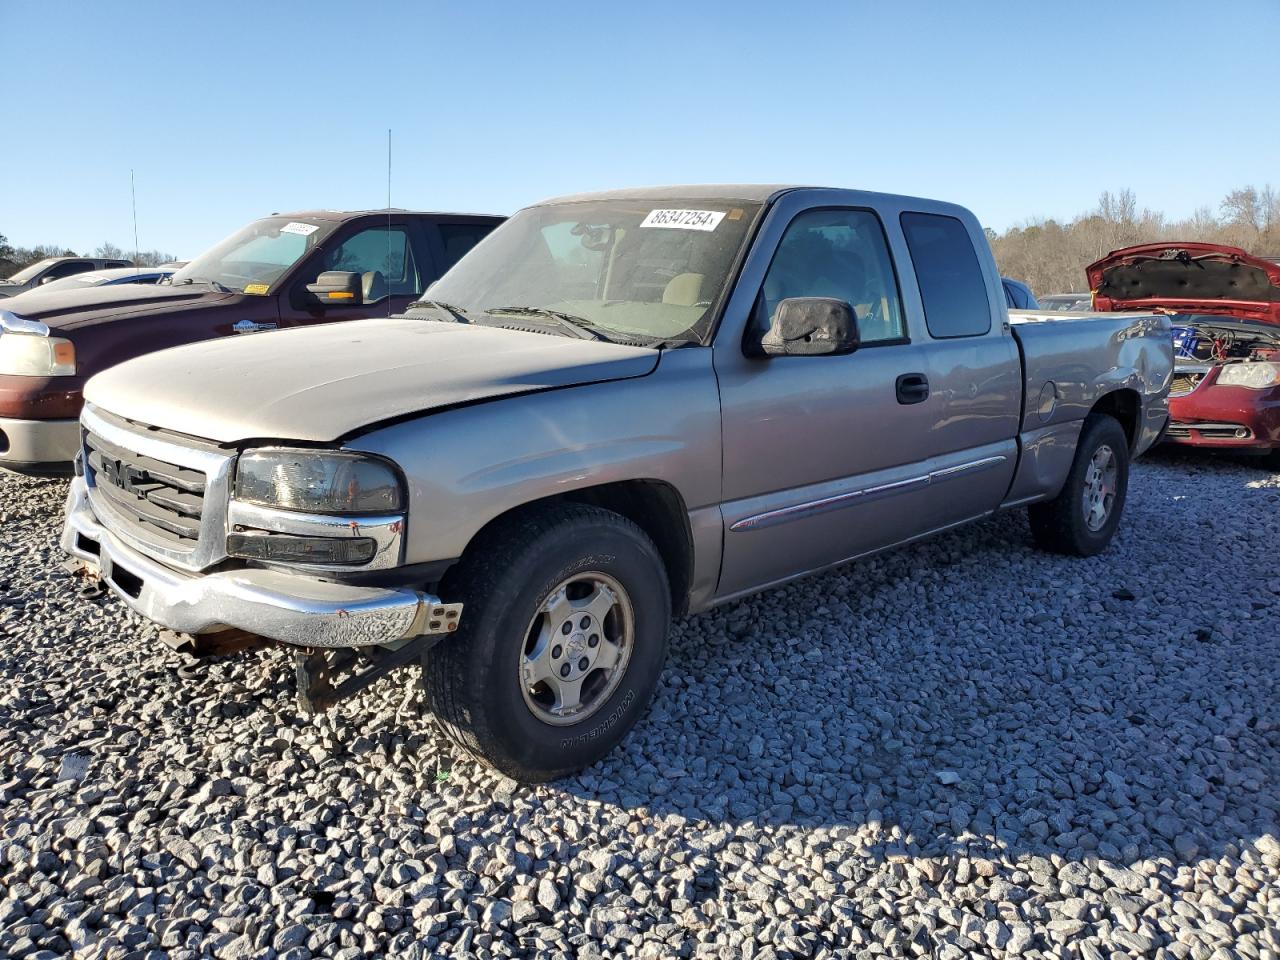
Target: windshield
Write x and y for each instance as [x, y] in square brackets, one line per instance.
[254, 258]
[631, 269]
[27, 273]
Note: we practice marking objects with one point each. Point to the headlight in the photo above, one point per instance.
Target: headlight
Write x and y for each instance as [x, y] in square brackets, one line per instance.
[29, 355]
[319, 481]
[1255, 376]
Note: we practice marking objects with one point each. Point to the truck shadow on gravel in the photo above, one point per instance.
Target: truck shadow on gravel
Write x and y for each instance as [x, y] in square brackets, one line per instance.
[971, 695]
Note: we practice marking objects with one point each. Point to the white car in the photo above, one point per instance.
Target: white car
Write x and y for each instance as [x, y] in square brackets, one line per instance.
[1071, 302]
[103, 278]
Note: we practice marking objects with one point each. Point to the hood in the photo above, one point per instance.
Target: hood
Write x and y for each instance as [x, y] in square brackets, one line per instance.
[1187, 278]
[322, 383]
[75, 309]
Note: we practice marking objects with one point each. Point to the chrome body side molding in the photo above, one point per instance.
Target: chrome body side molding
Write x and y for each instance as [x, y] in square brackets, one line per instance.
[863, 494]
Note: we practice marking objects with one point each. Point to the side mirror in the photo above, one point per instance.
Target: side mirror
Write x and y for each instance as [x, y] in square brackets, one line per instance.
[337, 288]
[44, 280]
[811, 326]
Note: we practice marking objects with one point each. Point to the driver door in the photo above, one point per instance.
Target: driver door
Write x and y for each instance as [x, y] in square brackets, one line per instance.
[824, 456]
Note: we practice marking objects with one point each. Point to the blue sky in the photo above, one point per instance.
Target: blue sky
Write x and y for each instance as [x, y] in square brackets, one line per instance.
[231, 110]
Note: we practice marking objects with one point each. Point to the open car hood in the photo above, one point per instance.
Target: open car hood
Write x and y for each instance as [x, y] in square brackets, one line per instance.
[1187, 278]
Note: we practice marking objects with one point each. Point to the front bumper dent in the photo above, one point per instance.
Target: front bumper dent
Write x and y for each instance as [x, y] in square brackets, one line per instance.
[290, 608]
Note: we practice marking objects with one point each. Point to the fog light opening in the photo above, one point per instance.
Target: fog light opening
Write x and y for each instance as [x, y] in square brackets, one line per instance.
[286, 548]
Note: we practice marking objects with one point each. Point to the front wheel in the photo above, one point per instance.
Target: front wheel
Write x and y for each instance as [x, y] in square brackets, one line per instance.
[562, 640]
[1084, 516]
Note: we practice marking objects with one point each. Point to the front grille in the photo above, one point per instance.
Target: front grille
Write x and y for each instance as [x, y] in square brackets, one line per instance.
[164, 499]
[1184, 382]
[164, 495]
[1208, 431]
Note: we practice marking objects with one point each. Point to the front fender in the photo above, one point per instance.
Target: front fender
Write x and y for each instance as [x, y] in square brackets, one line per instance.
[469, 465]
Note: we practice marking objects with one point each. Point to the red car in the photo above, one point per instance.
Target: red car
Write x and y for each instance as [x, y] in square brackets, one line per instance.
[1225, 307]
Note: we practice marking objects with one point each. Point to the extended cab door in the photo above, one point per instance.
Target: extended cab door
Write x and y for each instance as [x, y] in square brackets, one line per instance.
[825, 457]
[971, 359]
[393, 260]
[453, 237]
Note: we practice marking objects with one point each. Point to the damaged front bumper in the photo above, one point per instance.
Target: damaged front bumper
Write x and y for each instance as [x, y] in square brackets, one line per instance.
[290, 608]
[1226, 418]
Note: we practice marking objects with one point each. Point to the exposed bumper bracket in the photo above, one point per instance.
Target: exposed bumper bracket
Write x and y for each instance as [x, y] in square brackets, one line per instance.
[320, 673]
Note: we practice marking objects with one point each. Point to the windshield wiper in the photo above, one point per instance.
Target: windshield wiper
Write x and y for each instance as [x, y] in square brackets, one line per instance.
[221, 288]
[455, 312]
[580, 326]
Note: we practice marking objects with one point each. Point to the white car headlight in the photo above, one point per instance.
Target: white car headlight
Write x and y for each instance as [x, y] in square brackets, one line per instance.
[31, 355]
[1255, 376]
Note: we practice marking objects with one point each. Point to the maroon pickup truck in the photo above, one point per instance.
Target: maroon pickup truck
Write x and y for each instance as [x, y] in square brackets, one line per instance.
[285, 270]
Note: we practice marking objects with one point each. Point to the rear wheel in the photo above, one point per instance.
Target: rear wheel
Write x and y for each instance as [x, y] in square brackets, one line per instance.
[562, 640]
[1084, 516]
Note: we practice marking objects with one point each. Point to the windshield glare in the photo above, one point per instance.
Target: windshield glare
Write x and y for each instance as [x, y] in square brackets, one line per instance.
[257, 256]
[636, 269]
[27, 273]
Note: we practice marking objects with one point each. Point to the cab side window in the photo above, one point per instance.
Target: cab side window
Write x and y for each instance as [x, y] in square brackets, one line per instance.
[70, 269]
[951, 281]
[840, 254]
[458, 239]
[384, 259]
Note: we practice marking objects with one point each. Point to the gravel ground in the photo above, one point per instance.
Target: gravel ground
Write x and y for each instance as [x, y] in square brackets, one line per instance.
[965, 748]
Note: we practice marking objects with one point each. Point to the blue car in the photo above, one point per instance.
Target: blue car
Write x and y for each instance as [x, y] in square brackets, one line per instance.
[1017, 295]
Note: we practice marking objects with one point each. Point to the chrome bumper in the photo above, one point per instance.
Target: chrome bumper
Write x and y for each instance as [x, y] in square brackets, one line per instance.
[287, 607]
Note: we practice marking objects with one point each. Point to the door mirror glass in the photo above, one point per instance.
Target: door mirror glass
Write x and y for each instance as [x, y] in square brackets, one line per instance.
[810, 326]
[337, 288]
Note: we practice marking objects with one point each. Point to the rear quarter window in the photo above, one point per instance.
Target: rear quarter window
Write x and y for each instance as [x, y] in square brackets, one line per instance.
[952, 287]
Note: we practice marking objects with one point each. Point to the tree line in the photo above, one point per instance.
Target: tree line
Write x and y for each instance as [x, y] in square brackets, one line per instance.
[1046, 254]
[13, 259]
[1051, 256]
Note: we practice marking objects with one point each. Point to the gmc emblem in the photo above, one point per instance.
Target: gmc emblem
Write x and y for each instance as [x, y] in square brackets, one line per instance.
[124, 476]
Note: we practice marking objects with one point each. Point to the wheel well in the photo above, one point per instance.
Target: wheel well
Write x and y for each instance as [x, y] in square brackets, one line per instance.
[1124, 405]
[654, 506]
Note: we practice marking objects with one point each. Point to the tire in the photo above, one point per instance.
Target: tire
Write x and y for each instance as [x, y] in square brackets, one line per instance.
[476, 680]
[1063, 525]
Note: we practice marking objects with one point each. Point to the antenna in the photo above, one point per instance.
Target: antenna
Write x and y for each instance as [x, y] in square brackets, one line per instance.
[389, 218]
[133, 194]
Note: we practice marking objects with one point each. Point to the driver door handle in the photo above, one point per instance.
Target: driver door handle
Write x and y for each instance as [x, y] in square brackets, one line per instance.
[912, 388]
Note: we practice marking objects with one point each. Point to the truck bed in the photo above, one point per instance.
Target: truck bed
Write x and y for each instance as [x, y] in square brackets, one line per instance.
[1070, 360]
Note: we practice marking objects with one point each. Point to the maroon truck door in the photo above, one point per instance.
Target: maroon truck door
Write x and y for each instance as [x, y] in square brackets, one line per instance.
[393, 264]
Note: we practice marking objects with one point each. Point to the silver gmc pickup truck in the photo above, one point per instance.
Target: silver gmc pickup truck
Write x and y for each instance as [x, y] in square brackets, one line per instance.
[618, 408]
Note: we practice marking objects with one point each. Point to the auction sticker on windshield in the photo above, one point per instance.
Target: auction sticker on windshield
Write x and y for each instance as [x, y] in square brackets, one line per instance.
[301, 229]
[684, 219]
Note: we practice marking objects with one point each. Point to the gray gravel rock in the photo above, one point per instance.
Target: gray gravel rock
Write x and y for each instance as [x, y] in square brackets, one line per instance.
[964, 748]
